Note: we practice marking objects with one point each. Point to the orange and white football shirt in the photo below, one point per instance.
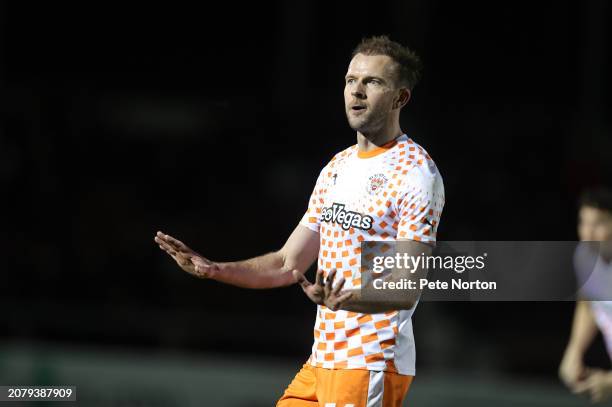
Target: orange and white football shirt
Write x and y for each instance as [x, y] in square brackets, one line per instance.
[392, 192]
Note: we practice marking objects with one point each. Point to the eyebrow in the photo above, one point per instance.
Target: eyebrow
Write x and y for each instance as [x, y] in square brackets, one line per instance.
[369, 77]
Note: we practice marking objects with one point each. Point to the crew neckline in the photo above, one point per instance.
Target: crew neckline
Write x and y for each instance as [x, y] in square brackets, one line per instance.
[378, 150]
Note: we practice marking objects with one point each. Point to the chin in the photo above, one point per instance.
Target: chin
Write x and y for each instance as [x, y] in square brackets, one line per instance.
[362, 128]
[357, 125]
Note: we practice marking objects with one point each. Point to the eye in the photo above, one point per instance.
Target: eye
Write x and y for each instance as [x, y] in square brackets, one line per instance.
[350, 80]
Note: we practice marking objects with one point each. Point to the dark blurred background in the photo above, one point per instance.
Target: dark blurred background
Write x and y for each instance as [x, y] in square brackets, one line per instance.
[211, 123]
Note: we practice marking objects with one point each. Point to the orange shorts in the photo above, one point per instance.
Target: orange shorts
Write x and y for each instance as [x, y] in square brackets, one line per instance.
[318, 387]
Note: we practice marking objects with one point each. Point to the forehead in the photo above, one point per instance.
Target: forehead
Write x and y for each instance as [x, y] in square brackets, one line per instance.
[372, 65]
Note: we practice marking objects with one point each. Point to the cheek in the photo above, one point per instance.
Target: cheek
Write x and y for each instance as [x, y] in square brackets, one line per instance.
[384, 100]
[347, 95]
[380, 100]
[605, 231]
[598, 233]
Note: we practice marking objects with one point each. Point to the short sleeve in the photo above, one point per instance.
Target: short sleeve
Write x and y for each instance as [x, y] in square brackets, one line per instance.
[312, 217]
[420, 207]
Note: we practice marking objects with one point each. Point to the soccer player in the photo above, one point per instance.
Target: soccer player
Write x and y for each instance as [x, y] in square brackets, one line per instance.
[384, 188]
[594, 224]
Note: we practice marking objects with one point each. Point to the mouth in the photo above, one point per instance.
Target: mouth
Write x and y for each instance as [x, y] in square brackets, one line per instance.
[357, 108]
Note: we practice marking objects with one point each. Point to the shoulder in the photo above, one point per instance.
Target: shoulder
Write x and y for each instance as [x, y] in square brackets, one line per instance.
[341, 157]
[418, 167]
[337, 161]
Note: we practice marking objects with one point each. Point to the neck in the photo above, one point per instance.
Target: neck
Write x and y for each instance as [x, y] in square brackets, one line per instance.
[367, 141]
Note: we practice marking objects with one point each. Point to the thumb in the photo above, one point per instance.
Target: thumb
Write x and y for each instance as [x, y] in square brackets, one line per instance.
[300, 279]
[581, 387]
[198, 261]
[199, 265]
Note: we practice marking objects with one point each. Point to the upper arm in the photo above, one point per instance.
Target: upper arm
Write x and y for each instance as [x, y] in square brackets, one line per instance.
[312, 216]
[420, 207]
[301, 249]
[414, 249]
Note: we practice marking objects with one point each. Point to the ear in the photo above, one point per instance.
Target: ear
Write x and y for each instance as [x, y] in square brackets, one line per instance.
[402, 98]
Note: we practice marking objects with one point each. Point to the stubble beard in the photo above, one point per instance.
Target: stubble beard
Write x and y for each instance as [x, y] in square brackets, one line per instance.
[370, 124]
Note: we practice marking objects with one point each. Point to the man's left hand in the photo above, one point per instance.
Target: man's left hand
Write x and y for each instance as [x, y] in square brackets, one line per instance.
[324, 293]
[597, 385]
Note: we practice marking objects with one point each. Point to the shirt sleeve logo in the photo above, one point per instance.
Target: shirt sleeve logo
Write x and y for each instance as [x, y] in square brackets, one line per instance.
[376, 183]
[346, 219]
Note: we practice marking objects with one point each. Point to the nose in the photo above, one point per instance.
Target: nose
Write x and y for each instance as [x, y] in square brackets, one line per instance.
[358, 91]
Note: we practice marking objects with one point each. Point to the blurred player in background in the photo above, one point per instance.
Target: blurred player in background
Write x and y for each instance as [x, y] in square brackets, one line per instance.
[384, 188]
[594, 272]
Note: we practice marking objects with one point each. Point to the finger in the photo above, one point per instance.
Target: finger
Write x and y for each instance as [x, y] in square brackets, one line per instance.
[164, 249]
[180, 258]
[581, 388]
[344, 297]
[169, 240]
[330, 279]
[301, 279]
[182, 261]
[319, 278]
[163, 244]
[168, 250]
[175, 242]
[337, 303]
[338, 287]
[160, 236]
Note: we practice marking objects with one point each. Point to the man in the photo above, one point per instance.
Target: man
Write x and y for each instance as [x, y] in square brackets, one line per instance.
[594, 272]
[384, 188]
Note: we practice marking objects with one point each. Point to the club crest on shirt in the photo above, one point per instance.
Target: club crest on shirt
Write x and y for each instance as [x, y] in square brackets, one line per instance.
[376, 182]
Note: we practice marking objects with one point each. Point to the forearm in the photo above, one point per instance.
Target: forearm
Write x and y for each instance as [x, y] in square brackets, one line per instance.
[273, 269]
[374, 298]
[378, 295]
[374, 305]
[267, 271]
[584, 330]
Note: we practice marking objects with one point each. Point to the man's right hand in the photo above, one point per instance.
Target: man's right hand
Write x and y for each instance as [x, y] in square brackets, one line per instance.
[189, 260]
